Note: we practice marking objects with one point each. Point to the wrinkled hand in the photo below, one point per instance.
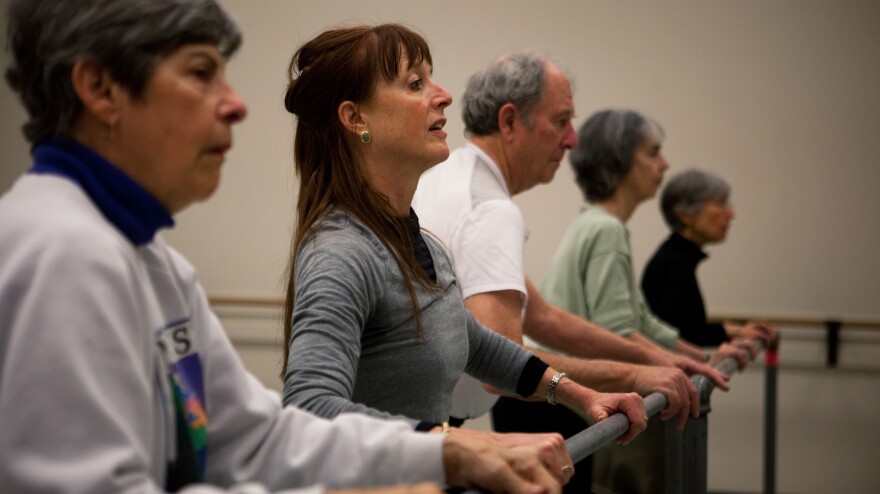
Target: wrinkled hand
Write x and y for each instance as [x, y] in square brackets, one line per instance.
[748, 345]
[755, 330]
[423, 488]
[691, 367]
[680, 392]
[727, 350]
[769, 330]
[549, 448]
[600, 406]
[472, 461]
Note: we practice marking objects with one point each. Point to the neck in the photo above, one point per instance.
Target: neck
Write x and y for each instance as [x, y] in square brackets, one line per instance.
[398, 187]
[691, 235]
[493, 146]
[96, 136]
[620, 204]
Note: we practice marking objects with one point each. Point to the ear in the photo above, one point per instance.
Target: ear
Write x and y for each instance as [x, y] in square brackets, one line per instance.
[508, 116]
[350, 117]
[686, 218]
[97, 90]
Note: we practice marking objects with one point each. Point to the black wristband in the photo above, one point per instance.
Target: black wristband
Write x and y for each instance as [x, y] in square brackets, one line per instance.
[426, 426]
[531, 376]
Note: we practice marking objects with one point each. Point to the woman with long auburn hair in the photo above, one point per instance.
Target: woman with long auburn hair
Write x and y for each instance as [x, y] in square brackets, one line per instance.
[374, 321]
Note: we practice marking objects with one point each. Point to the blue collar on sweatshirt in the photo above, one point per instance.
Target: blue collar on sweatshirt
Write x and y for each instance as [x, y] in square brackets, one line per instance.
[124, 203]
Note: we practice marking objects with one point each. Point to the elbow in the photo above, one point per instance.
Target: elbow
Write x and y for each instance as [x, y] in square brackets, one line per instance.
[316, 401]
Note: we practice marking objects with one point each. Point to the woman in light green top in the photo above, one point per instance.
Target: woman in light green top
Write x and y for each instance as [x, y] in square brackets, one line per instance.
[618, 164]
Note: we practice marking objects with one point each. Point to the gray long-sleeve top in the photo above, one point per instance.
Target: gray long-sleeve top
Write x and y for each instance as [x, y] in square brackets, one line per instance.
[354, 345]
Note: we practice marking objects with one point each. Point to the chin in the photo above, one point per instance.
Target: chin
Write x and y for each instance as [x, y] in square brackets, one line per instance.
[208, 189]
[441, 157]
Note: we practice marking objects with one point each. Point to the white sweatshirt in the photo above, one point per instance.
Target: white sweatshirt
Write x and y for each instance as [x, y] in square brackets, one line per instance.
[90, 325]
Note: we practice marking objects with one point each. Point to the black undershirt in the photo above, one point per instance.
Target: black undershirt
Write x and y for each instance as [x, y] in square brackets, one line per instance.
[534, 369]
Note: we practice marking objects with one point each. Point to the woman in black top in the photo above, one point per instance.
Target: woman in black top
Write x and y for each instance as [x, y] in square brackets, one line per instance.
[696, 206]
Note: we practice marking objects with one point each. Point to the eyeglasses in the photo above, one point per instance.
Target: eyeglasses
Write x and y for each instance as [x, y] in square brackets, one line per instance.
[720, 203]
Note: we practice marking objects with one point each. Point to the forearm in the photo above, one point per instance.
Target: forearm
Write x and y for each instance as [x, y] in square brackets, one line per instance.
[498, 361]
[601, 375]
[595, 406]
[658, 355]
[556, 328]
[689, 350]
[567, 392]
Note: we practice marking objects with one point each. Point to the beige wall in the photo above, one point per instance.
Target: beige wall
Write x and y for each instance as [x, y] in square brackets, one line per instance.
[779, 97]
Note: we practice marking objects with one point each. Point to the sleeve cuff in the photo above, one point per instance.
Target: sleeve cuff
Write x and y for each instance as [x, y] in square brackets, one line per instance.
[531, 376]
[425, 426]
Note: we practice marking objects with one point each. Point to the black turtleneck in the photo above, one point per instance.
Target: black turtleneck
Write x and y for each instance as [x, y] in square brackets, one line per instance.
[670, 286]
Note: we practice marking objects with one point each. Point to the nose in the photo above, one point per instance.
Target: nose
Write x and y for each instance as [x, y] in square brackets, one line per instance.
[443, 98]
[664, 165]
[232, 107]
[570, 139]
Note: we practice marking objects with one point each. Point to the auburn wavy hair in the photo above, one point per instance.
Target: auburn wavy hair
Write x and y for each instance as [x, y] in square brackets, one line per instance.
[340, 65]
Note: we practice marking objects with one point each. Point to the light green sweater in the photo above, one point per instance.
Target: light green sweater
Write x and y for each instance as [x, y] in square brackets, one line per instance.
[592, 276]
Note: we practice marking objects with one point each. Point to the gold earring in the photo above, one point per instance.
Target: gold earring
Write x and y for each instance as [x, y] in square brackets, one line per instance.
[366, 137]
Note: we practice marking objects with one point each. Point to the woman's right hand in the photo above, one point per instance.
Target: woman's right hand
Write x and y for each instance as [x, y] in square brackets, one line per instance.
[549, 448]
[474, 460]
[423, 488]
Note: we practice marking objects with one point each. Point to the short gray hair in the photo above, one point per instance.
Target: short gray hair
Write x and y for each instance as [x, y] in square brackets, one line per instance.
[687, 192]
[516, 78]
[604, 154]
[128, 37]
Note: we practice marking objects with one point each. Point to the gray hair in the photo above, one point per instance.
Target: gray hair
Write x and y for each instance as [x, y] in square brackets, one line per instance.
[128, 37]
[604, 154]
[516, 78]
[687, 192]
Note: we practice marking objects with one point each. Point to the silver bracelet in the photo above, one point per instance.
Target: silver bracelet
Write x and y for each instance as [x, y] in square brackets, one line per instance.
[551, 391]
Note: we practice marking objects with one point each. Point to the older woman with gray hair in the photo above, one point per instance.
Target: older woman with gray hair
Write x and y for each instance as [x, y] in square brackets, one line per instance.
[695, 205]
[618, 164]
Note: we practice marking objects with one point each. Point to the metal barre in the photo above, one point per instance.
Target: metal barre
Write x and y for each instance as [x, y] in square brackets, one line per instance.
[218, 299]
[597, 436]
[593, 438]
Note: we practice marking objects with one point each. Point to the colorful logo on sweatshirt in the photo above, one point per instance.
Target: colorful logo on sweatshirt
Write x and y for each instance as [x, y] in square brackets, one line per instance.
[186, 381]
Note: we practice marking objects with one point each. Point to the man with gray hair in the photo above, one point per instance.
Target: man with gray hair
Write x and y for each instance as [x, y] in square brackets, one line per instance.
[517, 115]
